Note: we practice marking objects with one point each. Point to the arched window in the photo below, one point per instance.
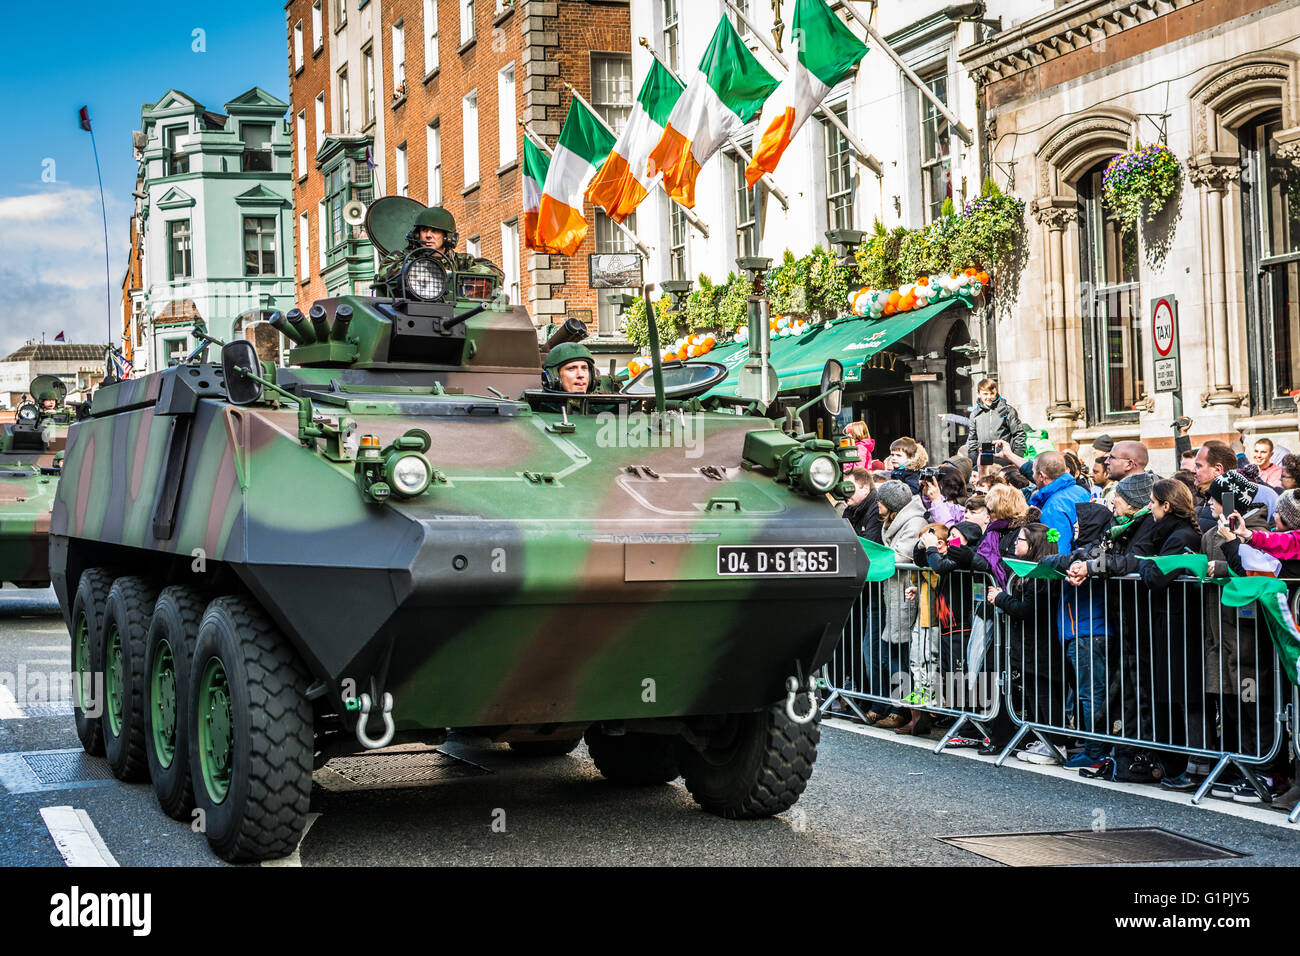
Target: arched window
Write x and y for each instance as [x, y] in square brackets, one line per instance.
[1110, 306]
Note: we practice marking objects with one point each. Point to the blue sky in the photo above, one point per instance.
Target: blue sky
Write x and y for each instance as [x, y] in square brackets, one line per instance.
[112, 57]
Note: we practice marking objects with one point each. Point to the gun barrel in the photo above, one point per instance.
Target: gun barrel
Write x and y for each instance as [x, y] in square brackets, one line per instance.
[281, 325]
[318, 323]
[342, 320]
[571, 331]
[300, 324]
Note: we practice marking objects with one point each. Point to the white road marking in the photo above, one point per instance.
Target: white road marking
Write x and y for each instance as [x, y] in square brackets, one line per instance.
[1245, 811]
[9, 709]
[294, 858]
[76, 837]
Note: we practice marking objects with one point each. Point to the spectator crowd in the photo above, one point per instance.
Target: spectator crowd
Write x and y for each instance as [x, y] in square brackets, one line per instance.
[1116, 633]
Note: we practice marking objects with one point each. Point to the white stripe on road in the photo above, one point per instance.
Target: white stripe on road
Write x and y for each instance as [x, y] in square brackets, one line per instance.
[9, 709]
[76, 837]
[294, 858]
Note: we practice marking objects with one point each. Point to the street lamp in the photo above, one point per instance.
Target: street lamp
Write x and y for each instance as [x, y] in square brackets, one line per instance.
[973, 13]
[679, 289]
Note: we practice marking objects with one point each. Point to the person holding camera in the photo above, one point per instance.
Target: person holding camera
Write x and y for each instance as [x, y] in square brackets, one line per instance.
[993, 418]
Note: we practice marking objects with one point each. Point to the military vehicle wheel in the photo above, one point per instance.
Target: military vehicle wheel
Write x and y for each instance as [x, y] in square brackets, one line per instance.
[169, 649]
[544, 748]
[87, 673]
[641, 760]
[126, 625]
[756, 766]
[250, 733]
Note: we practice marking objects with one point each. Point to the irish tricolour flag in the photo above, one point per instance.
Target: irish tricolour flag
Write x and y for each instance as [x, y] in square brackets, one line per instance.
[535, 165]
[583, 147]
[623, 181]
[827, 53]
[727, 93]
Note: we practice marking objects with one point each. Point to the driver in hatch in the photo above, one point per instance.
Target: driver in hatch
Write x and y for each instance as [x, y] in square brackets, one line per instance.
[570, 367]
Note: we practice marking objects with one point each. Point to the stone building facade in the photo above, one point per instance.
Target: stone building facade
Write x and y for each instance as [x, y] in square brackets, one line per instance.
[1065, 89]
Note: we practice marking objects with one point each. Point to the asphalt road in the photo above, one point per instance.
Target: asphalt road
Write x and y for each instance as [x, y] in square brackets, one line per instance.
[873, 800]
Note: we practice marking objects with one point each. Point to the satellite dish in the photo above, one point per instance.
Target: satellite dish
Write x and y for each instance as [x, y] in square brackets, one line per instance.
[389, 219]
[354, 212]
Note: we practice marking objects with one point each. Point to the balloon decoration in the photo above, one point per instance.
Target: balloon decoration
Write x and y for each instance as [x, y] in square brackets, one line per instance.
[877, 303]
[687, 347]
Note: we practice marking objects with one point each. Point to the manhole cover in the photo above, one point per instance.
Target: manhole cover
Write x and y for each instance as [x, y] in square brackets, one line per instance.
[384, 771]
[66, 766]
[1084, 847]
[35, 771]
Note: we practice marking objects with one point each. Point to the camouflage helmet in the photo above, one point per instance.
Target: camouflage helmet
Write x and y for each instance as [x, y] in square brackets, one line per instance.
[562, 355]
[435, 217]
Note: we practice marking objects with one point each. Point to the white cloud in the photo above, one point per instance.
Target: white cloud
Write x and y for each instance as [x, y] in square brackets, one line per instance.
[52, 266]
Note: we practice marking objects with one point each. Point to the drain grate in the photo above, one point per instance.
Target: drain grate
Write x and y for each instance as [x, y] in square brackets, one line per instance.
[36, 771]
[387, 771]
[1086, 847]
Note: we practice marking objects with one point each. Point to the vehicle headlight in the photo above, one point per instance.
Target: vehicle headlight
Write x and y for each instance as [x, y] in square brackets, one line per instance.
[822, 474]
[426, 279]
[408, 474]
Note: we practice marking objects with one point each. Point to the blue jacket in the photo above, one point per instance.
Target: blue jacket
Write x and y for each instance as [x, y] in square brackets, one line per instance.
[1057, 502]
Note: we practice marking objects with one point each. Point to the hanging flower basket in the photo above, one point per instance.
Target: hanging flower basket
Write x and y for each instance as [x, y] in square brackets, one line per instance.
[1143, 180]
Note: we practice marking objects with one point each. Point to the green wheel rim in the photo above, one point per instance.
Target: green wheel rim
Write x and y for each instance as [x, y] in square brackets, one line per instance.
[81, 662]
[113, 681]
[216, 730]
[162, 704]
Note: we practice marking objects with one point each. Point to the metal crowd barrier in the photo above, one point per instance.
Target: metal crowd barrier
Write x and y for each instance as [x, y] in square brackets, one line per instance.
[932, 669]
[1114, 664]
[1117, 664]
[1295, 744]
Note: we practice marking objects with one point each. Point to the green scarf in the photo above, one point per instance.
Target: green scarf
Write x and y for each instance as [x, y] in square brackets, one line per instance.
[1122, 524]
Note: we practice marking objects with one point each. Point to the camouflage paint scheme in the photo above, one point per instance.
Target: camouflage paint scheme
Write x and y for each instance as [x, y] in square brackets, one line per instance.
[26, 499]
[541, 581]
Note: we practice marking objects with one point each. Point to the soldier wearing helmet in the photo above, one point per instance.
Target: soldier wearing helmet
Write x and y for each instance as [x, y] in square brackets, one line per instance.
[434, 228]
[569, 367]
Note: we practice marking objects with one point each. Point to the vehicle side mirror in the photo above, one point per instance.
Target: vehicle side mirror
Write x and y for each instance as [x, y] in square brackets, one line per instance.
[238, 359]
[833, 378]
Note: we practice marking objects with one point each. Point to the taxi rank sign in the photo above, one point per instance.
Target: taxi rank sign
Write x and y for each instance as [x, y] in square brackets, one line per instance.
[1164, 335]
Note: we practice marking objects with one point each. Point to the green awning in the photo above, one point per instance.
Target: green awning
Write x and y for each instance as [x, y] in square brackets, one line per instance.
[799, 359]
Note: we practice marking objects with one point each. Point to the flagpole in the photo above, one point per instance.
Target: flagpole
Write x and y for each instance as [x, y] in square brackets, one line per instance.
[863, 154]
[693, 219]
[958, 126]
[734, 143]
[103, 213]
[541, 143]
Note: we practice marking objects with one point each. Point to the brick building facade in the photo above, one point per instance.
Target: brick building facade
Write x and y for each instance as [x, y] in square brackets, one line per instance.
[440, 64]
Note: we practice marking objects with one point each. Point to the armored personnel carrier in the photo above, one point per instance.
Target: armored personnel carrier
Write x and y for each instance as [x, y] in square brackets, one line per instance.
[31, 451]
[401, 535]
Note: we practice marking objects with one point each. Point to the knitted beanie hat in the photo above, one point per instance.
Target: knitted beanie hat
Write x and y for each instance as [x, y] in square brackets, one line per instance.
[1136, 488]
[1103, 444]
[1236, 484]
[1288, 508]
[894, 495]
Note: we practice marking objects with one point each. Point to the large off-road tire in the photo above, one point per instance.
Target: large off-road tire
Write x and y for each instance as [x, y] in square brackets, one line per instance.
[87, 671]
[756, 766]
[250, 733]
[640, 760]
[544, 748]
[169, 650]
[126, 625]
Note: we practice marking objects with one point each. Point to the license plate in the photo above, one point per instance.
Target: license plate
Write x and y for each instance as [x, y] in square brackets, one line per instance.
[779, 559]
